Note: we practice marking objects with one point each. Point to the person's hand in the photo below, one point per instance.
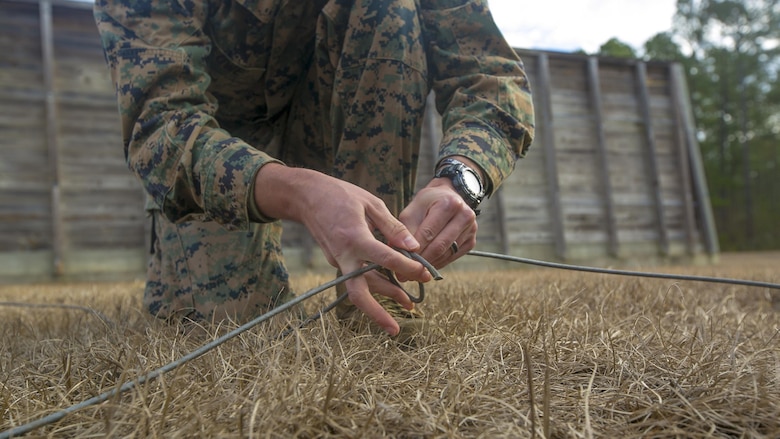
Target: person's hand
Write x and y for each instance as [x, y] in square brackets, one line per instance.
[438, 217]
[443, 224]
[341, 217]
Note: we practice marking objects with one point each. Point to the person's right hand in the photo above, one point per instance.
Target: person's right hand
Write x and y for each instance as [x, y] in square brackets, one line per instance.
[342, 217]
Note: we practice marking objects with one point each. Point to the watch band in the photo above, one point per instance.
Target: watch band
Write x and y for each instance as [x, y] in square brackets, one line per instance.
[465, 180]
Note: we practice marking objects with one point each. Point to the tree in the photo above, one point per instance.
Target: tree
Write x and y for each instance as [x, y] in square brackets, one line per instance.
[616, 49]
[732, 48]
[663, 48]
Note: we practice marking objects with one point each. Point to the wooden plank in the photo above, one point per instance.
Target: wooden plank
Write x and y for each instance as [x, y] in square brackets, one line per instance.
[572, 110]
[81, 67]
[567, 75]
[25, 193]
[71, 4]
[684, 165]
[20, 41]
[548, 144]
[594, 87]
[655, 186]
[503, 232]
[101, 202]
[617, 78]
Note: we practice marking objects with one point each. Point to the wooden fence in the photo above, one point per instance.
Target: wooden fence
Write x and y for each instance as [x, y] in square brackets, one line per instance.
[614, 174]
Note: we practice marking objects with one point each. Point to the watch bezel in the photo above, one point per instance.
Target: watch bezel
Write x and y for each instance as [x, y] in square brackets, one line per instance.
[456, 170]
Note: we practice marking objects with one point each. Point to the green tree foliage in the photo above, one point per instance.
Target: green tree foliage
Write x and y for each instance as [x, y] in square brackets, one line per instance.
[617, 49]
[732, 65]
[663, 48]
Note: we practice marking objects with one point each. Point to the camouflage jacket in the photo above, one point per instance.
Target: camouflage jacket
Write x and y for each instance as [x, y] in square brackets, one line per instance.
[187, 74]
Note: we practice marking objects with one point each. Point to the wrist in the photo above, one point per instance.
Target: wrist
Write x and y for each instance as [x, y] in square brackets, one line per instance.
[279, 190]
[470, 163]
[465, 177]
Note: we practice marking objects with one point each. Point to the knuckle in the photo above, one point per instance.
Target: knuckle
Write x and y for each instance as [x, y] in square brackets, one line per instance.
[428, 234]
[396, 227]
[451, 203]
[385, 259]
[377, 205]
[442, 247]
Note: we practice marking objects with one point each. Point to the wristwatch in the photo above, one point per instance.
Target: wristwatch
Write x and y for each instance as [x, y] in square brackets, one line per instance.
[466, 181]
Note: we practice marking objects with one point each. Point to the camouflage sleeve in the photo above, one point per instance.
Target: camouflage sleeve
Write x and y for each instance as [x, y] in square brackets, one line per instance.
[156, 52]
[481, 87]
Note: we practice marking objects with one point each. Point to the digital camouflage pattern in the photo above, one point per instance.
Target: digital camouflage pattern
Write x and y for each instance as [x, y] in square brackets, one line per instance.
[210, 91]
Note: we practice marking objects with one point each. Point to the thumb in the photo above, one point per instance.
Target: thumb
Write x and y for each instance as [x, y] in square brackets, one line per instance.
[394, 231]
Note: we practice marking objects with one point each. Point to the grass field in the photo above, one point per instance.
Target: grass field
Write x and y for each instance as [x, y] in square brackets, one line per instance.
[516, 353]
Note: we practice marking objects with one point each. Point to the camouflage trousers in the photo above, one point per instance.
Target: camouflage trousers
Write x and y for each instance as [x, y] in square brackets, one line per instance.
[357, 116]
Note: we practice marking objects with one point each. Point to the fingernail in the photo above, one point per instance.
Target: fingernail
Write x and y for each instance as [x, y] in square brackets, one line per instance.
[411, 243]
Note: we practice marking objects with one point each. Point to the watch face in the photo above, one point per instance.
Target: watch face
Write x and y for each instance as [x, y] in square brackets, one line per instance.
[472, 182]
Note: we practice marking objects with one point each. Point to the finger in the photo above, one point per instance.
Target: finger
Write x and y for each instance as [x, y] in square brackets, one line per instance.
[396, 262]
[394, 231]
[464, 244]
[461, 229]
[435, 220]
[378, 284]
[362, 299]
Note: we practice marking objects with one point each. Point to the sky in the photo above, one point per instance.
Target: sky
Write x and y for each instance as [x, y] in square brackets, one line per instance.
[569, 25]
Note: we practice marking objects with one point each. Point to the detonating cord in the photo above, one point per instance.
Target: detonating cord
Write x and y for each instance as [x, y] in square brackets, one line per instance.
[748, 283]
[54, 417]
[390, 277]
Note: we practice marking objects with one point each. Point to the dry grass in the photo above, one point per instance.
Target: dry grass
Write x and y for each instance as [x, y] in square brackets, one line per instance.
[522, 353]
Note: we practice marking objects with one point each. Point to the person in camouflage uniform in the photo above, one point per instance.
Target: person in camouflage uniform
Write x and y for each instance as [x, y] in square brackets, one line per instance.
[238, 113]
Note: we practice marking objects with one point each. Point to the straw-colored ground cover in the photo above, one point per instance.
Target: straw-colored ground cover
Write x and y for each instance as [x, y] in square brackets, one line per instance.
[516, 353]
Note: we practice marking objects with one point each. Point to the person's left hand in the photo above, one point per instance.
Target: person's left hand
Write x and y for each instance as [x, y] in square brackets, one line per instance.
[437, 217]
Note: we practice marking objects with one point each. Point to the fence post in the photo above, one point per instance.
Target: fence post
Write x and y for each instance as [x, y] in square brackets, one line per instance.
[594, 85]
[550, 158]
[47, 54]
[697, 166]
[651, 156]
[684, 165]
